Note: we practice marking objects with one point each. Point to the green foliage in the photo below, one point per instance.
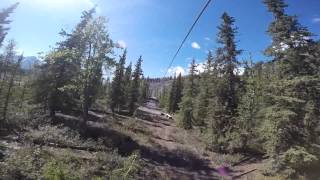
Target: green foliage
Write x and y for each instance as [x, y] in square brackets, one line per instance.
[118, 84]
[58, 170]
[164, 97]
[72, 73]
[55, 85]
[296, 160]
[37, 163]
[135, 86]
[127, 83]
[186, 113]
[273, 108]
[13, 88]
[172, 94]
[4, 15]
[206, 80]
[144, 91]
[24, 164]
[227, 63]
[59, 135]
[127, 169]
[224, 83]
[173, 97]
[187, 103]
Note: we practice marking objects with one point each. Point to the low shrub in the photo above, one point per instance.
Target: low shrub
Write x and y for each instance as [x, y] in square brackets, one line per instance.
[127, 169]
[59, 135]
[294, 162]
[65, 164]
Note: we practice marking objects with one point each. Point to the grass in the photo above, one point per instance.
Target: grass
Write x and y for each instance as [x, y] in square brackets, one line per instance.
[133, 128]
[63, 151]
[34, 162]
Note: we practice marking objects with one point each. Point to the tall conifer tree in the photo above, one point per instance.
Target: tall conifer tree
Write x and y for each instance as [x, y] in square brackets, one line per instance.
[205, 91]
[118, 84]
[135, 87]
[187, 104]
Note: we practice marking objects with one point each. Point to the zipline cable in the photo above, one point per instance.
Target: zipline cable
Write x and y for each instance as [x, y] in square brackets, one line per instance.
[186, 37]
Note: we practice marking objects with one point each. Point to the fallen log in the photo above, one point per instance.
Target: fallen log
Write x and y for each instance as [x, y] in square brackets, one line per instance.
[65, 146]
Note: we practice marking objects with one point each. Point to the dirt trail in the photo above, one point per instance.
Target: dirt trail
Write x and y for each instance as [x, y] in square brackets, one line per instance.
[173, 158]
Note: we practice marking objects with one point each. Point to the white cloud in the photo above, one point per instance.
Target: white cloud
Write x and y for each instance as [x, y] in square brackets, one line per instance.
[316, 20]
[176, 71]
[200, 67]
[207, 39]
[195, 45]
[121, 44]
[239, 71]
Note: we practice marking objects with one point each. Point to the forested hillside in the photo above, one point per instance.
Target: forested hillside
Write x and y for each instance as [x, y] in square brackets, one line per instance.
[62, 117]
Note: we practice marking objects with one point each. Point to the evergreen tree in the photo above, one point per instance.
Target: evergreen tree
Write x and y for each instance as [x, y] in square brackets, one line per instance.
[164, 98]
[228, 63]
[293, 104]
[291, 42]
[175, 94]
[55, 86]
[75, 66]
[6, 63]
[59, 84]
[144, 90]
[135, 87]
[98, 47]
[172, 95]
[250, 104]
[127, 83]
[118, 84]
[178, 93]
[222, 105]
[4, 15]
[204, 95]
[10, 87]
[8, 79]
[187, 104]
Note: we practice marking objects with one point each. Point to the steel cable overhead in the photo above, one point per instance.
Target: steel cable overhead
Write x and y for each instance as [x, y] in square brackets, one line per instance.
[186, 37]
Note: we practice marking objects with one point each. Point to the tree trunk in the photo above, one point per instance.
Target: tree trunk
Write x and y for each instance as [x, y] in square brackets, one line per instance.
[85, 104]
[11, 83]
[22, 96]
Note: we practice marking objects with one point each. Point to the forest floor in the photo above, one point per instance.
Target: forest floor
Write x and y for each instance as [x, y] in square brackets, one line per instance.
[166, 151]
[174, 153]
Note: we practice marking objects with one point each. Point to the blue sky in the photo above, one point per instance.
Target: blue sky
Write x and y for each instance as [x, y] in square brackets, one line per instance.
[154, 28]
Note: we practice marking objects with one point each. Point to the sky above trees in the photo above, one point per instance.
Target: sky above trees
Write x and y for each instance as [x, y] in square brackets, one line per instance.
[153, 28]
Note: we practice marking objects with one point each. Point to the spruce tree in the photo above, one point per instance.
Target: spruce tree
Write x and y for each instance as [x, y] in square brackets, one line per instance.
[118, 84]
[291, 42]
[293, 104]
[75, 67]
[10, 87]
[164, 97]
[172, 95]
[6, 63]
[4, 15]
[224, 85]
[187, 104]
[205, 91]
[228, 63]
[7, 80]
[178, 93]
[135, 87]
[127, 80]
[54, 86]
[144, 90]
[251, 102]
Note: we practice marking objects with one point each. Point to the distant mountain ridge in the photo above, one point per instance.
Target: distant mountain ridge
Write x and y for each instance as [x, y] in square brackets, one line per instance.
[29, 62]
